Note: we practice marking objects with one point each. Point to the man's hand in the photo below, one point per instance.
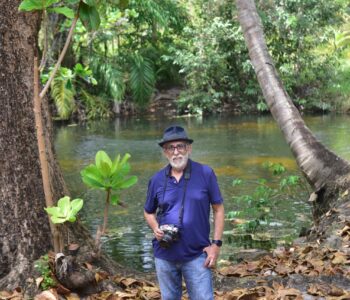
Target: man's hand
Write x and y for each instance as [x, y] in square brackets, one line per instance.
[158, 234]
[212, 255]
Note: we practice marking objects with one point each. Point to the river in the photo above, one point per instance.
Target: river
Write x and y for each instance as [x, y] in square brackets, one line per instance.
[235, 147]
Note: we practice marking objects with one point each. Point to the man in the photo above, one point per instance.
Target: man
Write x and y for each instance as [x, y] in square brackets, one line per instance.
[177, 209]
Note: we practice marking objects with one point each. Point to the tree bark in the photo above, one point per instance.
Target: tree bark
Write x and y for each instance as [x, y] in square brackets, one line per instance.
[326, 172]
[24, 225]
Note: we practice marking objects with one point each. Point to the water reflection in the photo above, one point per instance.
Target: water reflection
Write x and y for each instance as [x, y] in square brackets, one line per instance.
[234, 147]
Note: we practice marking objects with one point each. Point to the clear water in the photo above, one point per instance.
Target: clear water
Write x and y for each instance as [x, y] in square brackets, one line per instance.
[235, 147]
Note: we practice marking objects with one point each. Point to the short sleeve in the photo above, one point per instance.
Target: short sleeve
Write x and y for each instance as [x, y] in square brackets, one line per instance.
[214, 190]
[151, 200]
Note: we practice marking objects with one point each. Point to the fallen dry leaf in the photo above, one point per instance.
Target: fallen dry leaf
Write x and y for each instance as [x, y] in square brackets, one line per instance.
[339, 258]
[46, 295]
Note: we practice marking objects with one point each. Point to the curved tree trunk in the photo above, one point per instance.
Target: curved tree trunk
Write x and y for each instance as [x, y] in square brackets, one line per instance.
[321, 167]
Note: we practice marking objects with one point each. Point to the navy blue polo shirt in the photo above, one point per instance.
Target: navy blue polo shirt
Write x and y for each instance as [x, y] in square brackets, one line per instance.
[202, 191]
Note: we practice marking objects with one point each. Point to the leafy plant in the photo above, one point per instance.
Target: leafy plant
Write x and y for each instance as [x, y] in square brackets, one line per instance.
[65, 85]
[63, 92]
[258, 207]
[142, 79]
[42, 266]
[65, 211]
[30, 5]
[111, 177]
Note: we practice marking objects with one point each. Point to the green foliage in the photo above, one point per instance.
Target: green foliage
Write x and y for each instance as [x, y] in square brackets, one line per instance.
[110, 77]
[137, 46]
[213, 58]
[89, 15]
[142, 79]
[63, 11]
[203, 57]
[29, 5]
[65, 85]
[65, 211]
[62, 91]
[108, 175]
[96, 107]
[258, 207]
[42, 266]
[125, 55]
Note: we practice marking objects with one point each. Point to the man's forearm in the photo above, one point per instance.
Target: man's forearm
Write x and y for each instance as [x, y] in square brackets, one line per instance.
[151, 220]
[219, 220]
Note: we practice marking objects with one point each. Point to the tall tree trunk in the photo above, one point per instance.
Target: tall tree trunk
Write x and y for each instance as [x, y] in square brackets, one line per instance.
[325, 171]
[24, 226]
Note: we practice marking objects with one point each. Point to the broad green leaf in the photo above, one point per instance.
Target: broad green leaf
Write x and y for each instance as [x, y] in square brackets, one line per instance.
[64, 205]
[76, 205]
[125, 158]
[92, 182]
[102, 156]
[115, 199]
[66, 11]
[124, 169]
[52, 210]
[105, 169]
[89, 16]
[127, 182]
[93, 172]
[116, 179]
[29, 5]
[90, 2]
[57, 220]
[115, 164]
[65, 210]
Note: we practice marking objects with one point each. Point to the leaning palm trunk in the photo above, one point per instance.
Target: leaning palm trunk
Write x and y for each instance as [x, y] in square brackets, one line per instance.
[319, 164]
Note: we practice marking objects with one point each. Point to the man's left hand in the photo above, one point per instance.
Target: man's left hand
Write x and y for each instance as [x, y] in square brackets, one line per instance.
[212, 255]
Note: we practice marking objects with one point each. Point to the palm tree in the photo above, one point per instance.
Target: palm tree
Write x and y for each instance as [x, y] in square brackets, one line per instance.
[327, 173]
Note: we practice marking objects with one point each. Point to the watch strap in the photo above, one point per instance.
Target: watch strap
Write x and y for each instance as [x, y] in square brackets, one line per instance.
[217, 242]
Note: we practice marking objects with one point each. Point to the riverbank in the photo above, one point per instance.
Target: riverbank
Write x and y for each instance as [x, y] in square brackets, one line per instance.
[301, 272]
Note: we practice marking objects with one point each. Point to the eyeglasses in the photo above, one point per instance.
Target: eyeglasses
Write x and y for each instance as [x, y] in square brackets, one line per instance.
[171, 148]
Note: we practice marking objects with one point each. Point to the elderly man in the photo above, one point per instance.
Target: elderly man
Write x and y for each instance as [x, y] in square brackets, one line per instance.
[177, 209]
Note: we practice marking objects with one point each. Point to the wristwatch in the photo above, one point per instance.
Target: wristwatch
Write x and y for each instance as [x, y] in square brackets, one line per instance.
[217, 242]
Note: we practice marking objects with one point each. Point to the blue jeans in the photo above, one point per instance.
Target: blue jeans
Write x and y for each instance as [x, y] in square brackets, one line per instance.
[197, 278]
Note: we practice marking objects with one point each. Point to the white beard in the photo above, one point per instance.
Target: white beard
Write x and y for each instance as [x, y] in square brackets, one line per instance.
[179, 162]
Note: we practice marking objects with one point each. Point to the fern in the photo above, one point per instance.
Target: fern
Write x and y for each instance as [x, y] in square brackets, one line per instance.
[96, 107]
[110, 78]
[142, 79]
[63, 93]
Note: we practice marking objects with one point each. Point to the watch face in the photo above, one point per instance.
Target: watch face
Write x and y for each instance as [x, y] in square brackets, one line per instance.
[217, 242]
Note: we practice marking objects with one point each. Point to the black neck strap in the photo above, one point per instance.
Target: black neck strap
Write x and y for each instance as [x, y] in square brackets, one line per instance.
[187, 176]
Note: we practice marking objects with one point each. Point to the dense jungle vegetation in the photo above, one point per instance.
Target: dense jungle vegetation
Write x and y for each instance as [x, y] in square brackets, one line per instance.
[141, 47]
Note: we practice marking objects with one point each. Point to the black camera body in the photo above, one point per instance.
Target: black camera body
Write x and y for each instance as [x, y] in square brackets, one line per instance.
[171, 234]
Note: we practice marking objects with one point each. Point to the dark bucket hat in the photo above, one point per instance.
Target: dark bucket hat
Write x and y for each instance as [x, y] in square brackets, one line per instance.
[174, 133]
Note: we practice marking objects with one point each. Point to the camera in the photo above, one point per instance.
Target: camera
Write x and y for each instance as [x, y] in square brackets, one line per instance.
[171, 234]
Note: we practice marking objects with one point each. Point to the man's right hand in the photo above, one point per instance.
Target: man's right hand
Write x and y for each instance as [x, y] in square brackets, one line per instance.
[158, 234]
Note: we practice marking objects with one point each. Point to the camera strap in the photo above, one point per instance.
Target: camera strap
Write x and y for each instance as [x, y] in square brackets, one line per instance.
[187, 176]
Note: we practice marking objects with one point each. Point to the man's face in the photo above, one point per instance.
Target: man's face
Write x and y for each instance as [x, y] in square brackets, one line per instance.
[177, 153]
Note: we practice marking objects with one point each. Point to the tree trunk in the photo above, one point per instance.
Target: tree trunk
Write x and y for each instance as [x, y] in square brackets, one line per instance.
[24, 225]
[326, 172]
